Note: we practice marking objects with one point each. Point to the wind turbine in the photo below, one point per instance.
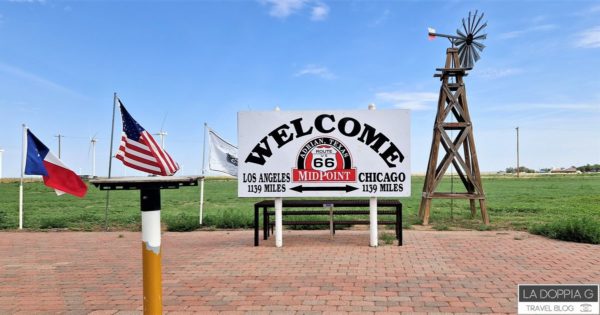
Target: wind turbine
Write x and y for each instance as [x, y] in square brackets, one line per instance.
[93, 141]
[162, 134]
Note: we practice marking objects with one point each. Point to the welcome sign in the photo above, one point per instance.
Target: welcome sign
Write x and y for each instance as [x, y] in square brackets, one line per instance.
[324, 153]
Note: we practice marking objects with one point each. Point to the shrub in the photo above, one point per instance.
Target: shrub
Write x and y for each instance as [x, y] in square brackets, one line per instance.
[182, 223]
[483, 227]
[53, 223]
[441, 227]
[581, 230]
[387, 238]
[228, 219]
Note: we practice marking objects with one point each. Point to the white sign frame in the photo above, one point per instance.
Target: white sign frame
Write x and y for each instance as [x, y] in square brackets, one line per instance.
[357, 153]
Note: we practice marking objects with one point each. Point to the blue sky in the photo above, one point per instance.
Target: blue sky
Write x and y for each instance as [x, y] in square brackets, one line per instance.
[185, 63]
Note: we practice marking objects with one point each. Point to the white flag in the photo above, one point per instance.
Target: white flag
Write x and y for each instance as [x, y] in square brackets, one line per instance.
[223, 155]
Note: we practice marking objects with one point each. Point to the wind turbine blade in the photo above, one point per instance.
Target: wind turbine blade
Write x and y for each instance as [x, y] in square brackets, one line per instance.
[163, 122]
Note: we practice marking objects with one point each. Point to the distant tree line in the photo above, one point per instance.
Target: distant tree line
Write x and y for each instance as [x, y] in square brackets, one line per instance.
[584, 169]
[522, 169]
[589, 168]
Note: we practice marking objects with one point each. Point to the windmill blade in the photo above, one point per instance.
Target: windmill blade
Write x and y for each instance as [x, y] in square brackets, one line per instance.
[475, 54]
[478, 21]
[480, 37]
[471, 58]
[459, 42]
[478, 45]
[464, 27]
[469, 23]
[461, 55]
[463, 60]
[461, 34]
[480, 28]
[468, 60]
[465, 63]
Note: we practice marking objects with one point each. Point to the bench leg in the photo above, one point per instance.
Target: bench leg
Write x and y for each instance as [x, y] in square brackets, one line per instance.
[265, 224]
[399, 223]
[255, 226]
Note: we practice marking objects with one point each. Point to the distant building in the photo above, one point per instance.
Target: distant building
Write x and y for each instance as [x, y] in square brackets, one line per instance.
[570, 170]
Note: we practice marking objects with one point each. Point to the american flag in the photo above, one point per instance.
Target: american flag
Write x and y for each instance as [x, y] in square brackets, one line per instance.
[140, 151]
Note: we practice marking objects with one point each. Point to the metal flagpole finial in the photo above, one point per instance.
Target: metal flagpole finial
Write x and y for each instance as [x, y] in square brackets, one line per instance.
[372, 106]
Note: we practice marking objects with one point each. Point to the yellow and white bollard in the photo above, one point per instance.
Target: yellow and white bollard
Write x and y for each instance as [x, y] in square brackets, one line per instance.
[151, 254]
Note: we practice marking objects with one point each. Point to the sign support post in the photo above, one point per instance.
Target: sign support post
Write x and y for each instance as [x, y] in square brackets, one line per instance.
[278, 215]
[373, 242]
[151, 239]
[374, 239]
[278, 222]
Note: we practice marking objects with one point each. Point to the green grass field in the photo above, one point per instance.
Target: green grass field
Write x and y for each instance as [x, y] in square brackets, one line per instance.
[513, 204]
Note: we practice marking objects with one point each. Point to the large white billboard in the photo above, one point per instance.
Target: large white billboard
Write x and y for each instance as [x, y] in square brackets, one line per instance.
[362, 153]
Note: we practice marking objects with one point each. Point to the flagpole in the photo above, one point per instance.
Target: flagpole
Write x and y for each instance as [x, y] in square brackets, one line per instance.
[112, 133]
[203, 174]
[23, 157]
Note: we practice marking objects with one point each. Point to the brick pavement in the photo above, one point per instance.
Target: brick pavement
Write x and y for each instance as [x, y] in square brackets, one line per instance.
[221, 272]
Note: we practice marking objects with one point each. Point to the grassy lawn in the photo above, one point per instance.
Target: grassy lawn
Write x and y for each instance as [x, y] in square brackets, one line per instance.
[512, 203]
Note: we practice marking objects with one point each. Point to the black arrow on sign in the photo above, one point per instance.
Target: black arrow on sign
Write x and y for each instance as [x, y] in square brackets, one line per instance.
[346, 188]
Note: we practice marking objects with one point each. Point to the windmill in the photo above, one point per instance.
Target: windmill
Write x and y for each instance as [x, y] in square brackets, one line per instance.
[453, 115]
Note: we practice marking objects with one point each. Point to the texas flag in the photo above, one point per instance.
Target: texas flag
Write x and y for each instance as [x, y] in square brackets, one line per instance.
[56, 175]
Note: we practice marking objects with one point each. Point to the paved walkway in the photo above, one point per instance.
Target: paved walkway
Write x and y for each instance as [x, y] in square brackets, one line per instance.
[204, 272]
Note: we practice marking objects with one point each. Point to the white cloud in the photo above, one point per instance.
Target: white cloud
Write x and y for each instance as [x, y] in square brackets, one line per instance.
[409, 100]
[316, 70]
[14, 71]
[589, 38]
[283, 8]
[319, 12]
[493, 73]
[381, 19]
[575, 107]
[518, 33]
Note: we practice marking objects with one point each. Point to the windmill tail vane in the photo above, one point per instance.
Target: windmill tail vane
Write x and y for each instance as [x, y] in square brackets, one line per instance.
[468, 40]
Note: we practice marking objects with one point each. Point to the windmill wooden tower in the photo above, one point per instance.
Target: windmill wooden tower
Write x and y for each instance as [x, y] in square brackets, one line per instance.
[453, 116]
